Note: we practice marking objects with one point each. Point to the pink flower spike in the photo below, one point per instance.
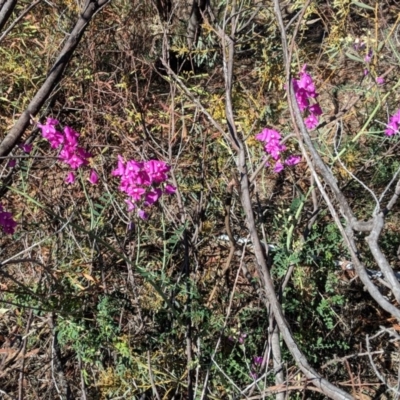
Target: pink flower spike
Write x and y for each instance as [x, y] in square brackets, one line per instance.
[278, 167]
[143, 214]
[93, 177]
[380, 80]
[293, 160]
[70, 178]
[169, 189]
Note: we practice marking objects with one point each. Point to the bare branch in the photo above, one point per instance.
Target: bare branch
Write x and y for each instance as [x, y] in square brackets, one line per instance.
[55, 74]
[6, 9]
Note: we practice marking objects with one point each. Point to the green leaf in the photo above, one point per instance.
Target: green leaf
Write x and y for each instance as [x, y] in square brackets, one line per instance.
[362, 5]
[354, 57]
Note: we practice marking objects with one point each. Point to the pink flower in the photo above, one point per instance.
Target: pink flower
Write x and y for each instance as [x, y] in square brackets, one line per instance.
[70, 178]
[368, 57]
[278, 167]
[301, 97]
[120, 170]
[392, 128]
[56, 139]
[141, 181]
[169, 189]
[12, 163]
[304, 89]
[7, 222]
[311, 122]
[131, 206]
[75, 161]
[136, 192]
[293, 160]
[26, 148]
[71, 137]
[268, 135]
[315, 110]
[152, 196]
[274, 150]
[143, 214]
[257, 360]
[380, 80]
[93, 177]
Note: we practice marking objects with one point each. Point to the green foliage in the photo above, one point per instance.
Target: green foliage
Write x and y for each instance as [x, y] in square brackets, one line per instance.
[90, 335]
[132, 299]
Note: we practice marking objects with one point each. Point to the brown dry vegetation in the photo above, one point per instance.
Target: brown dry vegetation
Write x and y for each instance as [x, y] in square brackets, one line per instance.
[97, 304]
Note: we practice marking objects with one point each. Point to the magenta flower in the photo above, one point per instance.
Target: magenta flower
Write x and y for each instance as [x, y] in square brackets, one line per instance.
[142, 182]
[392, 128]
[70, 178]
[311, 122]
[304, 89]
[380, 80]
[131, 206]
[7, 222]
[278, 167]
[71, 137]
[268, 135]
[12, 163]
[120, 170]
[257, 360]
[75, 161]
[70, 153]
[49, 128]
[143, 214]
[169, 189]
[274, 149]
[368, 57]
[136, 192]
[26, 148]
[293, 160]
[93, 177]
[152, 196]
[315, 110]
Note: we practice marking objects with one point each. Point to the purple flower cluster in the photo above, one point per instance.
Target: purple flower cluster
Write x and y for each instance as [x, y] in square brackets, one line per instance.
[6, 221]
[273, 146]
[71, 153]
[392, 128]
[304, 90]
[142, 181]
[256, 366]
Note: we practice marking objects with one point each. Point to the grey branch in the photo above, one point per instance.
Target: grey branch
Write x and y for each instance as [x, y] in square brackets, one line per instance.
[55, 74]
